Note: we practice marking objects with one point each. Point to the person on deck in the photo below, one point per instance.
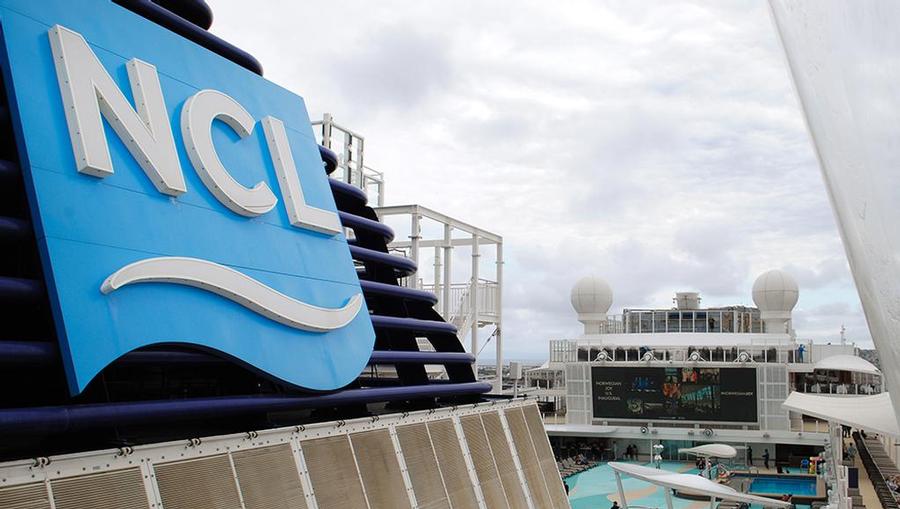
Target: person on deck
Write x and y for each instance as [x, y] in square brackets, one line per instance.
[749, 456]
[766, 458]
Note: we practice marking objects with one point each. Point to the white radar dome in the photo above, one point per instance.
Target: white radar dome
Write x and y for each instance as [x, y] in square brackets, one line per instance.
[775, 291]
[591, 298]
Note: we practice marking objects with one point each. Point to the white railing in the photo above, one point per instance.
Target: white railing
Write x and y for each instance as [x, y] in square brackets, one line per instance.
[488, 300]
[350, 149]
[840, 388]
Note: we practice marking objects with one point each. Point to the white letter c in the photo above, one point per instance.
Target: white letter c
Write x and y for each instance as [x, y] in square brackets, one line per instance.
[197, 117]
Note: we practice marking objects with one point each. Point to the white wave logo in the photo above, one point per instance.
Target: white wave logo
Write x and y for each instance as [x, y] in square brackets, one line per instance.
[237, 287]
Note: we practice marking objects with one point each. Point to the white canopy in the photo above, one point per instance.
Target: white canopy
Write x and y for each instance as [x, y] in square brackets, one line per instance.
[694, 484]
[711, 451]
[871, 413]
[847, 363]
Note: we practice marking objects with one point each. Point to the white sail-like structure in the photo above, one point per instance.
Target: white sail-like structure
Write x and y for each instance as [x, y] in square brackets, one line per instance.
[844, 58]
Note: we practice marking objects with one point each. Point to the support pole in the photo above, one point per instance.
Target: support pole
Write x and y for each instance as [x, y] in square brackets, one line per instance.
[326, 130]
[448, 246]
[668, 493]
[712, 502]
[622, 503]
[415, 234]
[498, 339]
[437, 275]
[473, 301]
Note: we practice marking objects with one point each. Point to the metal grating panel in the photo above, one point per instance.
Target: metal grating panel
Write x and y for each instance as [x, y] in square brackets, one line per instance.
[452, 464]
[483, 459]
[528, 458]
[29, 496]
[422, 467]
[206, 483]
[119, 489]
[512, 486]
[332, 469]
[268, 478]
[545, 457]
[380, 469]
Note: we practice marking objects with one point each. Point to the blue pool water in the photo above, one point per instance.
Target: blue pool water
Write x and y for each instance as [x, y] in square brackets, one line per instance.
[797, 486]
[592, 488]
[596, 488]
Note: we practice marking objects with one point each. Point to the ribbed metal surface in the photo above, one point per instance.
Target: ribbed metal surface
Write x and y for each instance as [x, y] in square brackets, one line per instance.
[206, 483]
[335, 480]
[534, 476]
[452, 464]
[268, 478]
[120, 489]
[500, 447]
[29, 496]
[483, 458]
[422, 467]
[380, 469]
[545, 457]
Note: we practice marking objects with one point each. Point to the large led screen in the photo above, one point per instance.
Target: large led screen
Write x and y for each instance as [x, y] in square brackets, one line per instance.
[687, 394]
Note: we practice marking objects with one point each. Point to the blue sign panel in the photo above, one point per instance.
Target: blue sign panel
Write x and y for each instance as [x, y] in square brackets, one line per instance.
[177, 199]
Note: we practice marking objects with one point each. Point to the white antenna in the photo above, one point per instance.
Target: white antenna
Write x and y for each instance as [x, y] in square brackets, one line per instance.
[843, 338]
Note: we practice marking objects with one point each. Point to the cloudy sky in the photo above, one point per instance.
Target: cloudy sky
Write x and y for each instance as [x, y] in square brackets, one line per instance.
[658, 145]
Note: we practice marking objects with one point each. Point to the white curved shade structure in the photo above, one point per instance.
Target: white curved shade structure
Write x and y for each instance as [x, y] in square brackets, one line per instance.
[871, 413]
[711, 451]
[842, 58]
[847, 363]
[694, 484]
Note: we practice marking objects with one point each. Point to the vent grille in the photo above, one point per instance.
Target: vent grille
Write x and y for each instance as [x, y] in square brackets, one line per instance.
[483, 460]
[268, 478]
[29, 496]
[528, 458]
[452, 464]
[512, 486]
[422, 467]
[546, 457]
[121, 489]
[332, 469]
[379, 469]
[206, 483]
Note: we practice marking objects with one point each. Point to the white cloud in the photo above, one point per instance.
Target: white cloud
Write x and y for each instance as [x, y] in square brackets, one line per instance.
[658, 145]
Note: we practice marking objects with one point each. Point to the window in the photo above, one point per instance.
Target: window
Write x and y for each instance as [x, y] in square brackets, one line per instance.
[700, 324]
[659, 322]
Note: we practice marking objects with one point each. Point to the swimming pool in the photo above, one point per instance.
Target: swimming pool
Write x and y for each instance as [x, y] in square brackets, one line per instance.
[596, 488]
[799, 486]
[593, 488]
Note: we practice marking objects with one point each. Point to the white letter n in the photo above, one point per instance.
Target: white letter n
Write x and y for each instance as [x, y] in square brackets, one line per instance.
[88, 91]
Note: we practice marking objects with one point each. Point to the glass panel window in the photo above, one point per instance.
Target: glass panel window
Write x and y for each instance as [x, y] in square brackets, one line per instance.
[632, 322]
[674, 321]
[659, 324]
[700, 324]
[687, 321]
[646, 323]
[756, 324]
[714, 321]
[728, 321]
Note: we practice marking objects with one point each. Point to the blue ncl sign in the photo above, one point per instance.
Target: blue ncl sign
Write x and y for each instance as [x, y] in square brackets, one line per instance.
[177, 198]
